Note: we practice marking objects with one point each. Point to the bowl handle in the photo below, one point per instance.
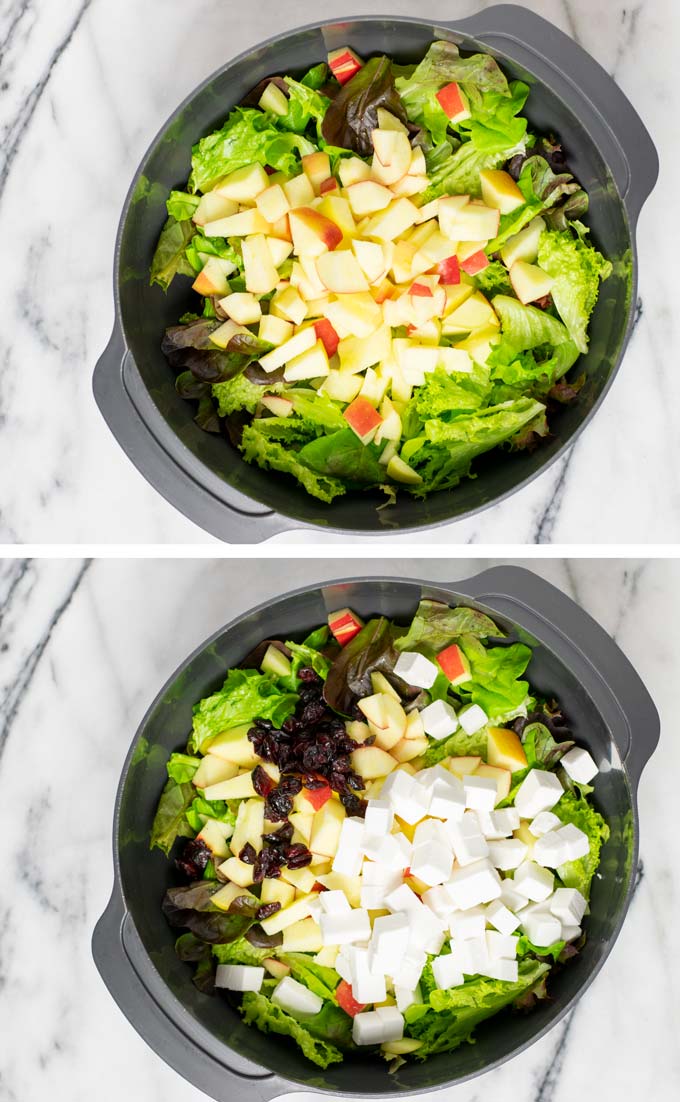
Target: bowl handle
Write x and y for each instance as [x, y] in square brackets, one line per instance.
[120, 396]
[613, 124]
[121, 960]
[593, 656]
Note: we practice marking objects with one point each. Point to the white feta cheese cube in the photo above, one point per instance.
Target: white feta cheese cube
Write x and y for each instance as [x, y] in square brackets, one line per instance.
[296, 998]
[407, 971]
[498, 824]
[378, 818]
[368, 983]
[446, 973]
[461, 956]
[431, 830]
[500, 968]
[448, 800]
[575, 841]
[474, 884]
[569, 933]
[568, 905]
[389, 940]
[416, 669]
[501, 945]
[345, 927]
[478, 955]
[439, 719]
[544, 822]
[539, 791]
[403, 898]
[407, 996]
[431, 862]
[472, 719]
[533, 882]
[468, 924]
[374, 891]
[579, 765]
[392, 1023]
[469, 844]
[239, 977]
[349, 854]
[428, 932]
[439, 901]
[502, 919]
[406, 797]
[367, 1028]
[512, 899]
[392, 851]
[481, 793]
[334, 902]
[343, 964]
[374, 873]
[551, 850]
[542, 928]
[507, 853]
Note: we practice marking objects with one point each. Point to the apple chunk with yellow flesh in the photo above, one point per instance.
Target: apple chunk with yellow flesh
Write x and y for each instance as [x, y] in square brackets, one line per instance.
[260, 271]
[311, 364]
[500, 190]
[213, 206]
[287, 351]
[523, 245]
[244, 184]
[386, 718]
[392, 222]
[505, 749]
[392, 158]
[502, 777]
[368, 197]
[272, 203]
[237, 225]
[529, 282]
[313, 233]
[371, 258]
[317, 168]
[212, 279]
[351, 170]
[339, 272]
[326, 827]
[370, 762]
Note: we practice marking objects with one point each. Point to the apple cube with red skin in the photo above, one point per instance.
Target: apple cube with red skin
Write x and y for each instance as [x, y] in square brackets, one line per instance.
[343, 64]
[317, 797]
[475, 263]
[329, 184]
[362, 418]
[454, 664]
[449, 271]
[344, 625]
[453, 103]
[345, 999]
[327, 335]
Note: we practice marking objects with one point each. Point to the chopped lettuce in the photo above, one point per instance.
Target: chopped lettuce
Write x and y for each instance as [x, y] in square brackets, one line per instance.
[443, 393]
[245, 695]
[496, 671]
[436, 626]
[248, 136]
[457, 745]
[169, 258]
[240, 393]
[170, 821]
[181, 767]
[576, 809]
[577, 269]
[239, 951]
[343, 456]
[260, 1011]
[181, 205]
[257, 448]
[317, 977]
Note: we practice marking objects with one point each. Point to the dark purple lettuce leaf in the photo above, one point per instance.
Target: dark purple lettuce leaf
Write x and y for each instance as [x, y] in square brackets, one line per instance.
[192, 907]
[371, 651]
[259, 940]
[353, 113]
[188, 348]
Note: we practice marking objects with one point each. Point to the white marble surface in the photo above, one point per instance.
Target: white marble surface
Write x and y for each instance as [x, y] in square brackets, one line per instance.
[84, 84]
[84, 651]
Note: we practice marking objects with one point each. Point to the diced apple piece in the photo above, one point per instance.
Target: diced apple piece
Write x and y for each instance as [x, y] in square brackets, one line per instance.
[289, 304]
[239, 787]
[454, 664]
[234, 746]
[294, 912]
[449, 270]
[371, 259]
[344, 63]
[408, 749]
[502, 777]
[371, 761]
[350, 885]
[357, 730]
[329, 184]
[279, 250]
[356, 315]
[212, 770]
[368, 197]
[261, 275]
[474, 263]
[302, 823]
[409, 185]
[500, 190]
[529, 839]
[326, 828]
[453, 102]
[226, 896]
[373, 389]
[464, 766]
[313, 233]
[212, 279]
[303, 937]
[386, 718]
[277, 891]
[213, 206]
[529, 282]
[242, 307]
[391, 428]
[392, 155]
[383, 291]
[281, 229]
[317, 168]
[523, 245]
[505, 749]
[362, 418]
[456, 296]
[391, 223]
[435, 249]
[274, 330]
[340, 273]
[414, 725]
[299, 191]
[237, 871]
[341, 386]
[402, 262]
[351, 170]
[276, 404]
[214, 835]
[287, 351]
[476, 311]
[344, 625]
[480, 344]
[277, 968]
[311, 364]
[274, 100]
[418, 166]
[388, 121]
[472, 222]
[337, 208]
[275, 662]
[246, 222]
[380, 684]
[401, 472]
[244, 184]
[249, 826]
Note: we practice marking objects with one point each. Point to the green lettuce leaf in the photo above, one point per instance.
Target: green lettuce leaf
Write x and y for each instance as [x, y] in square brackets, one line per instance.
[458, 173]
[527, 948]
[170, 821]
[240, 393]
[557, 195]
[525, 327]
[260, 1011]
[239, 951]
[202, 809]
[270, 454]
[246, 695]
[540, 747]
[572, 808]
[457, 745]
[444, 393]
[342, 455]
[316, 77]
[317, 977]
[496, 671]
[303, 655]
[304, 104]
[169, 258]
[577, 269]
[181, 205]
[248, 136]
[436, 626]
[181, 767]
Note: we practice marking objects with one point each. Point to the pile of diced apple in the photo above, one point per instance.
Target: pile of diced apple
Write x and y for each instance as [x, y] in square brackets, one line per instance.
[365, 257]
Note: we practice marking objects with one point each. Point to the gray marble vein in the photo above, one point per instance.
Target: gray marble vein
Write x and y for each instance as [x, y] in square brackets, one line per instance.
[81, 657]
[83, 87]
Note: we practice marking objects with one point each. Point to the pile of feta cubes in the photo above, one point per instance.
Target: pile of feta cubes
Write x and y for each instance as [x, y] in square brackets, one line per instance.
[479, 885]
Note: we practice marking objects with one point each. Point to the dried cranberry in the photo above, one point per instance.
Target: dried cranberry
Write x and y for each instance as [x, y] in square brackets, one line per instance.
[248, 854]
[262, 782]
[298, 856]
[311, 782]
[291, 725]
[268, 865]
[290, 784]
[282, 836]
[308, 674]
[353, 805]
[277, 806]
[267, 910]
[312, 713]
[193, 859]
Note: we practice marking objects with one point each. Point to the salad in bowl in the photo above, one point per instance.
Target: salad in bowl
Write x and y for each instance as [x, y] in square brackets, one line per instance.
[393, 272]
[380, 836]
